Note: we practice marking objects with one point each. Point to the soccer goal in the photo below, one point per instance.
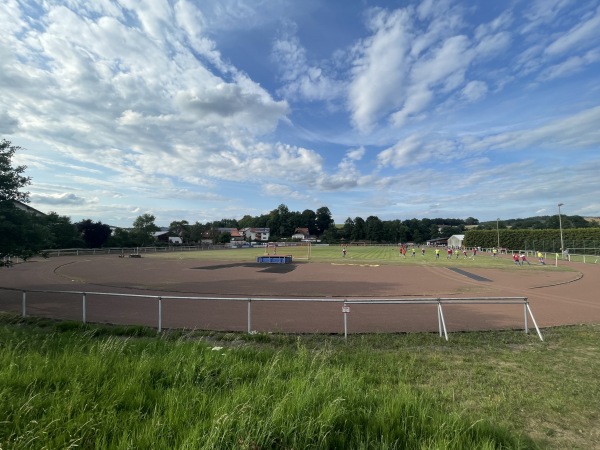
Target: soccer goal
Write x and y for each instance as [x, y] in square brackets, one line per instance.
[302, 251]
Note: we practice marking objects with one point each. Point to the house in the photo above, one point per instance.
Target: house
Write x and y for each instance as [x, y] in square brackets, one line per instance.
[234, 232]
[162, 236]
[438, 242]
[256, 234]
[456, 240]
[301, 233]
[24, 207]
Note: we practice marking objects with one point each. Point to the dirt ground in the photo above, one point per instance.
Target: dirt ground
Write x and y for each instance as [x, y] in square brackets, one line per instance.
[556, 297]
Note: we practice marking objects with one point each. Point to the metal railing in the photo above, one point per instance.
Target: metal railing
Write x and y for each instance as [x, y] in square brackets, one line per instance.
[345, 302]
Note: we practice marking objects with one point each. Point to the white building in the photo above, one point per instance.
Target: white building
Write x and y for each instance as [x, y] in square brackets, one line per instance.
[256, 234]
[456, 240]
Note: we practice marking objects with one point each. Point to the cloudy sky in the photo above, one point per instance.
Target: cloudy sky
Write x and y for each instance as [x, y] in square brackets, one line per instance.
[206, 109]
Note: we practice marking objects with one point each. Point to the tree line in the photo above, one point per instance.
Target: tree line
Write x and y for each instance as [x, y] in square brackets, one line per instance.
[23, 234]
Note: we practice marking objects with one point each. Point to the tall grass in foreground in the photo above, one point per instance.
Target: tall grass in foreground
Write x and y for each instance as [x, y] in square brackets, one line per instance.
[83, 389]
[66, 385]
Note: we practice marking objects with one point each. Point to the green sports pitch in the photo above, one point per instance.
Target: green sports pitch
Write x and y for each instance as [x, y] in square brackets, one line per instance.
[374, 254]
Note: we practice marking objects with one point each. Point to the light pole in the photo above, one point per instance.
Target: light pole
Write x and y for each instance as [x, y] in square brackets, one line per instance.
[498, 231]
[562, 242]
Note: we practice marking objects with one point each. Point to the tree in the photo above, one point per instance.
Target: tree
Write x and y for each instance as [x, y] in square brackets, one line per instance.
[21, 234]
[347, 229]
[11, 178]
[197, 231]
[330, 236]
[181, 229]
[309, 220]
[374, 229]
[358, 232]
[64, 233]
[143, 227]
[121, 238]
[95, 234]
[246, 222]
[225, 238]
[323, 219]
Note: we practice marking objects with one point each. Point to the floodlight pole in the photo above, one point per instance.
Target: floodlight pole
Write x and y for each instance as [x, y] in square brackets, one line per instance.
[498, 231]
[562, 242]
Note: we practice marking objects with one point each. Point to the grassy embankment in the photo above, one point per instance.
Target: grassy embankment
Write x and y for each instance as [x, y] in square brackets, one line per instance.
[67, 385]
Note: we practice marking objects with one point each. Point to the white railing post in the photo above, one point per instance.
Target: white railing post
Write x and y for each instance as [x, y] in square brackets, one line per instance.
[23, 305]
[249, 316]
[525, 313]
[159, 314]
[441, 320]
[345, 310]
[535, 323]
[83, 308]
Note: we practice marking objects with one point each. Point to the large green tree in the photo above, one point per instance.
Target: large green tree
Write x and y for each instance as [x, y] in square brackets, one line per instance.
[180, 228]
[64, 233]
[12, 179]
[21, 234]
[324, 219]
[143, 227]
[95, 234]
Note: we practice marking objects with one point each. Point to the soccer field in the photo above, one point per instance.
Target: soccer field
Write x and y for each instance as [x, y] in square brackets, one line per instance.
[380, 254]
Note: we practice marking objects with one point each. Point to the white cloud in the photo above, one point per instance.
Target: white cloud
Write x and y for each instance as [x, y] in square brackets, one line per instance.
[8, 123]
[399, 72]
[278, 190]
[153, 106]
[356, 154]
[405, 152]
[474, 90]
[381, 68]
[145, 92]
[583, 34]
[571, 65]
[58, 199]
[575, 132]
[302, 80]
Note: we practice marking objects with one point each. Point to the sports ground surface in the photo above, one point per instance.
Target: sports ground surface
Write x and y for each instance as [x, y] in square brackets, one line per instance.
[567, 294]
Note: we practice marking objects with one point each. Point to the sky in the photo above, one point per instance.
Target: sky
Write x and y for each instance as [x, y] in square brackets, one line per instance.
[201, 110]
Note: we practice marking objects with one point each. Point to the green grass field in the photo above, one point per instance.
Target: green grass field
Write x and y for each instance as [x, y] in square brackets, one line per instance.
[363, 255]
[68, 385]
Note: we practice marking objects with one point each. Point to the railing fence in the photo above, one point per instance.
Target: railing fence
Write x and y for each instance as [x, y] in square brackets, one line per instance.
[346, 303]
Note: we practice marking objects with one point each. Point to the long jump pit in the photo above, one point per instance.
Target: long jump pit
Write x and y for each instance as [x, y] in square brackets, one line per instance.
[301, 297]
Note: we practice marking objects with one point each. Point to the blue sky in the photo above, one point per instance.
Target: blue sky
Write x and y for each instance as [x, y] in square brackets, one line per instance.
[202, 110]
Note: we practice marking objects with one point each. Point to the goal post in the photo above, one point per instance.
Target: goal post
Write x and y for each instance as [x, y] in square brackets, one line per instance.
[303, 251]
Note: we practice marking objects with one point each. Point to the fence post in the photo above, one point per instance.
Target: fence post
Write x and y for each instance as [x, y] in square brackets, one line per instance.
[249, 316]
[159, 314]
[441, 321]
[83, 304]
[345, 311]
[23, 305]
[534, 322]
[525, 313]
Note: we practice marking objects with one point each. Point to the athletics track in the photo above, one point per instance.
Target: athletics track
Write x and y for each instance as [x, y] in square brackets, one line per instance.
[556, 297]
